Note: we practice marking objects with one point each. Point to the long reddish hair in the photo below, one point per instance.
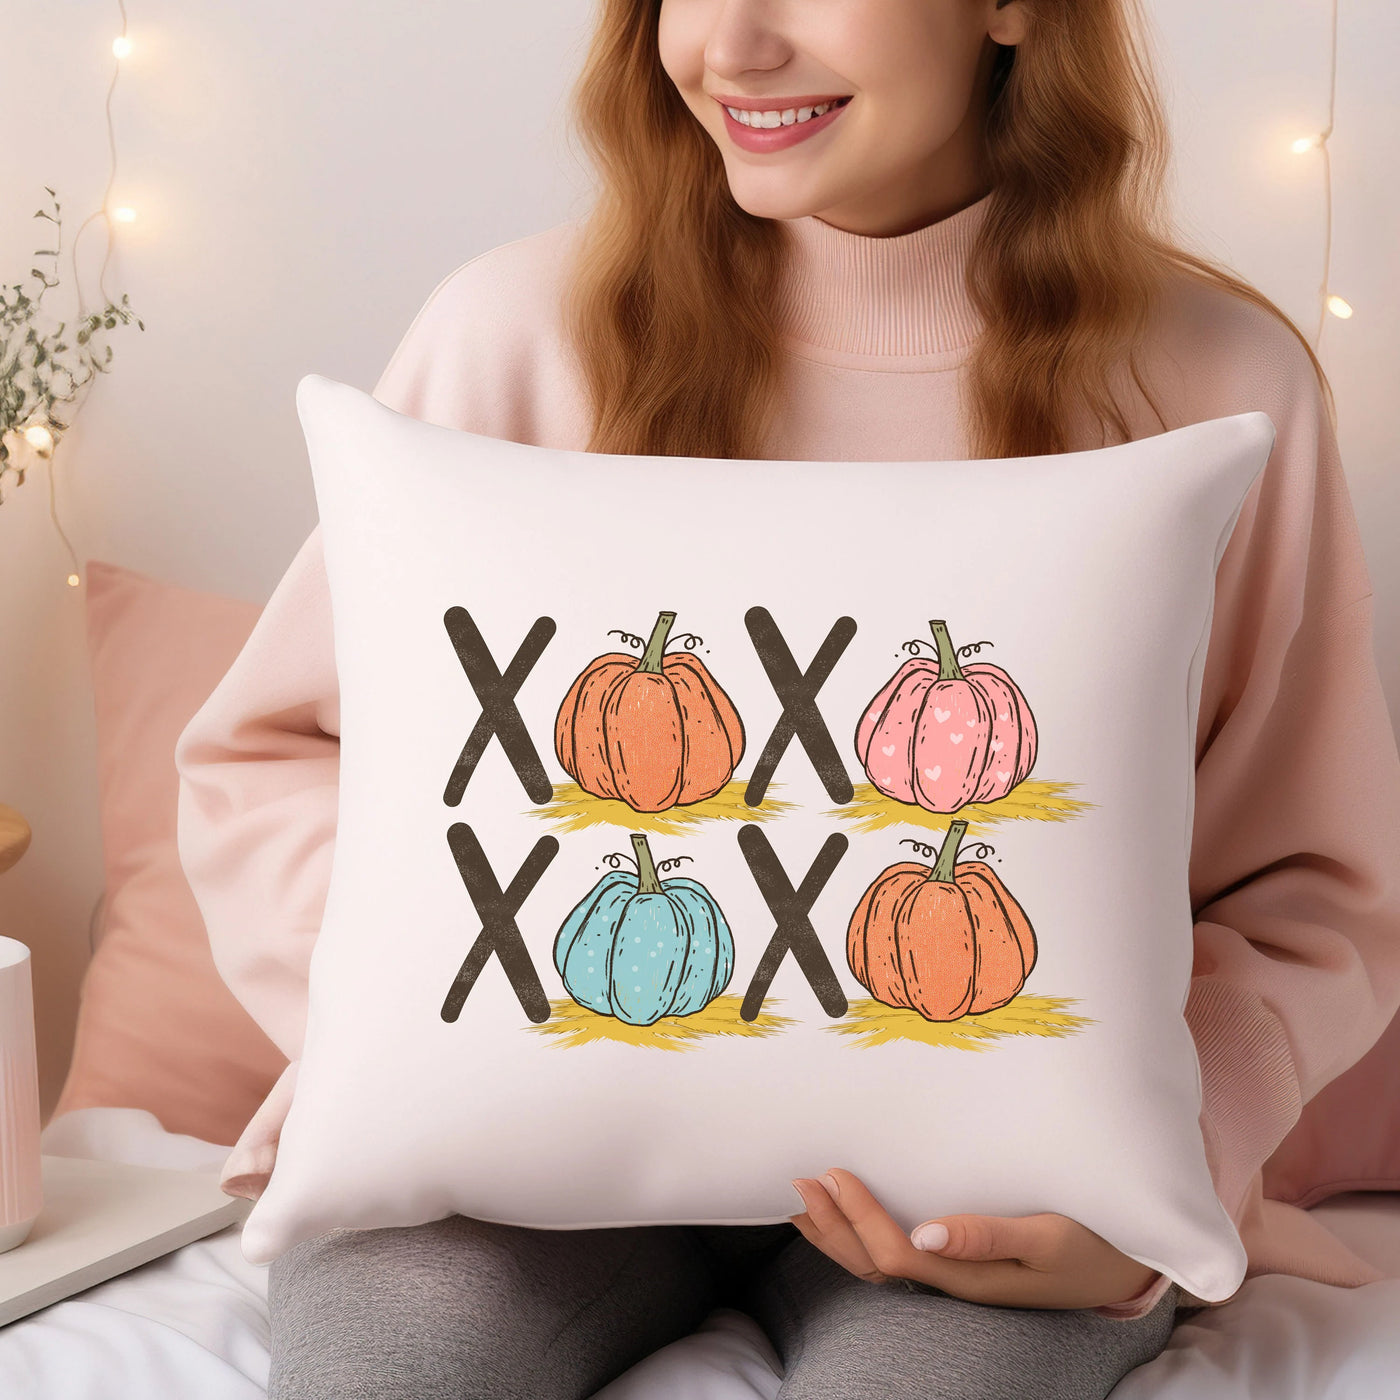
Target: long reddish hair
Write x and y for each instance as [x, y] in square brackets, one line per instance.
[670, 298]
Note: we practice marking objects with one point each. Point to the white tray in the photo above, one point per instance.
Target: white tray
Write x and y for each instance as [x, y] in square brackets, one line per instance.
[100, 1219]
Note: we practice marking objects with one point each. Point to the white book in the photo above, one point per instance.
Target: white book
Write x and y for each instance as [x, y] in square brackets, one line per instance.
[100, 1219]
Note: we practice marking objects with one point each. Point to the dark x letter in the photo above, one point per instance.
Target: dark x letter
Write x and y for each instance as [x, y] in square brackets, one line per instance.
[499, 933]
[498, 713]
[800, 716]
[791, 907]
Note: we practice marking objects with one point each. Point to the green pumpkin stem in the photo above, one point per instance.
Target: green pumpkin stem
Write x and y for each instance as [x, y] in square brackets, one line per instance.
[948, 668]
[648, 881]
[656, 643]
[947, 855]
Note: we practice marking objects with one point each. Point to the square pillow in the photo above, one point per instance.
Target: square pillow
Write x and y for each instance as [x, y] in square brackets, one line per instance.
[706, 823]
[157, 1027]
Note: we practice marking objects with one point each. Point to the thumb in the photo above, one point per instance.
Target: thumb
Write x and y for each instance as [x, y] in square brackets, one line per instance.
[968, 1237]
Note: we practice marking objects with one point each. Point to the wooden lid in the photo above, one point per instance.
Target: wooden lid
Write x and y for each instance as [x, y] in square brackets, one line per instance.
[14, 836]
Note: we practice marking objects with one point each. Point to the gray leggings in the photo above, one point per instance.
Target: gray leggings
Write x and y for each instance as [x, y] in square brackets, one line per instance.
[462, 1309]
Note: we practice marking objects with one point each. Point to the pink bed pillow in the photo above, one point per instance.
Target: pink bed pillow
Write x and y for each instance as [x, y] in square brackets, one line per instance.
[157, 1027]
[1348, 1138]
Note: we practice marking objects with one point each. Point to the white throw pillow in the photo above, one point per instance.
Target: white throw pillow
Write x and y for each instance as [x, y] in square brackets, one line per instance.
[644, 898]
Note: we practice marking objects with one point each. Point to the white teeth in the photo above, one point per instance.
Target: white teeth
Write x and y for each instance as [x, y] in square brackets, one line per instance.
[788, 117]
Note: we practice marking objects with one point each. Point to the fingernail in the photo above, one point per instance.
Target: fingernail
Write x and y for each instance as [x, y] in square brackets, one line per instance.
[801, 1197]
[829, 1182]
[931, 1236]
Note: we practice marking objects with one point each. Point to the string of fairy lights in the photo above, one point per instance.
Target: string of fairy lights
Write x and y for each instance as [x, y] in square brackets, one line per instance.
[41, 441]
[1328, 300]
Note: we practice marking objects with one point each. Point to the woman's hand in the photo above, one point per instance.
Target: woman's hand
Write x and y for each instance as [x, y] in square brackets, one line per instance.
[1030, 1261]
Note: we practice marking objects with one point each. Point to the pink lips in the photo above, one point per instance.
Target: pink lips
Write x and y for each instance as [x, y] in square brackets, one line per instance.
[776, 138]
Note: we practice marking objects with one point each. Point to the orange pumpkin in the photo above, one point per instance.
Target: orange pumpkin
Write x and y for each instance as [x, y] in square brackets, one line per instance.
[655, 731]
[946, 942]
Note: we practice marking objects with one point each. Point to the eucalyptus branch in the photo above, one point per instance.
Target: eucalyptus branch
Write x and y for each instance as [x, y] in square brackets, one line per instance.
[43, 378]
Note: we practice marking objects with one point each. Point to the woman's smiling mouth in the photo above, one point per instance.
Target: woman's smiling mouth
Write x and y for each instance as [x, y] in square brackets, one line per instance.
[772, 124]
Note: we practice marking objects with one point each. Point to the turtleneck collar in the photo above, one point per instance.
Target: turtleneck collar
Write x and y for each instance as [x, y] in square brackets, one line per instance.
[847, 296]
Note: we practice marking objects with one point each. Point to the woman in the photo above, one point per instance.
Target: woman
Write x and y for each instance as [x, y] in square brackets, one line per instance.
[947, 245]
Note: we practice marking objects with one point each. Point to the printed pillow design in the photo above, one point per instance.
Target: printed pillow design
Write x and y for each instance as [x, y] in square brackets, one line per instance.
[705, 823]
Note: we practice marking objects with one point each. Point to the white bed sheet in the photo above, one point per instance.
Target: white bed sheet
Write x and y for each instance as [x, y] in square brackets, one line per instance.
[194, 1323]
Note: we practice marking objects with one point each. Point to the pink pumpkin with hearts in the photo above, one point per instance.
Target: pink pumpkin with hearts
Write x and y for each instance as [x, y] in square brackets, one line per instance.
[941, 734]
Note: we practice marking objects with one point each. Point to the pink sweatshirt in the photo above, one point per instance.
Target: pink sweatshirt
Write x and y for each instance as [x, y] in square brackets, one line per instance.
[1294, 880]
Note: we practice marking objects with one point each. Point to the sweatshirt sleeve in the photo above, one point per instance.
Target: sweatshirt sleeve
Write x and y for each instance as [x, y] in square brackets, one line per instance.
[259, 779]
[259, 762]
[1295, 885]
[259, 767]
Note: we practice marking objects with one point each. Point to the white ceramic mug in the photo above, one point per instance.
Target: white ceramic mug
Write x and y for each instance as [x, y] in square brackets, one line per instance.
[21, 1179]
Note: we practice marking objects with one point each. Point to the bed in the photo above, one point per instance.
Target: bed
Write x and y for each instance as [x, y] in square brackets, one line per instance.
[194, 1323]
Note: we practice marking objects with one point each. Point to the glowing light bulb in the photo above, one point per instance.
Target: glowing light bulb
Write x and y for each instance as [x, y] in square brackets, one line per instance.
[121, 46]
[39, 438]
[1338, 307]
[124, 214]
[1304, 144]
[73, 580]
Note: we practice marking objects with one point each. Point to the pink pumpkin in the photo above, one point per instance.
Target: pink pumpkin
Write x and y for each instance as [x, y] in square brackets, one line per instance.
[943, 735]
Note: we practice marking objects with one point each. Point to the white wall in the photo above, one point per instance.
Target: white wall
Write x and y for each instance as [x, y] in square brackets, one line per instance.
[304, 174]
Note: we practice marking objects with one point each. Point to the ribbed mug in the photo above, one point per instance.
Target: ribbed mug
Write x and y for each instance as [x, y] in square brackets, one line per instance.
[21, 1181]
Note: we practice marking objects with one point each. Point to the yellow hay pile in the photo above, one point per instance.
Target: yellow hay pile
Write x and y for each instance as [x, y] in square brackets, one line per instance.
[573, 809]
[576, 1025]
[1026, 1015]
[571, 1024]
[871, 810]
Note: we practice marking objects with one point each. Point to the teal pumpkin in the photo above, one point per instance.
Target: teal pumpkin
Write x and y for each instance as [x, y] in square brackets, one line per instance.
[639, 948]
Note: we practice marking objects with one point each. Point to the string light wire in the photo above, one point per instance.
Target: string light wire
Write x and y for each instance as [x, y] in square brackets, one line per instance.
[1324, 292]
[103, 211]
[74, 578]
